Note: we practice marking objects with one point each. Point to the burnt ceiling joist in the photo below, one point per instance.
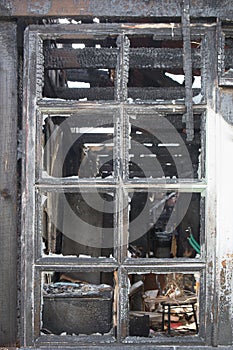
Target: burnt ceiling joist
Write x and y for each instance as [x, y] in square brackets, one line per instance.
[115, 8]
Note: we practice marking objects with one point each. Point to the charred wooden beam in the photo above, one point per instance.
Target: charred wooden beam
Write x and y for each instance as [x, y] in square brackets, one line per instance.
[163, 93]
[146, 57]
[122, 8]
[92, 94]
[107, 93]
[80, 58]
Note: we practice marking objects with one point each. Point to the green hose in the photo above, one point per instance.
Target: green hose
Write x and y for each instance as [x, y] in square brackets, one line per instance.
[195, 245]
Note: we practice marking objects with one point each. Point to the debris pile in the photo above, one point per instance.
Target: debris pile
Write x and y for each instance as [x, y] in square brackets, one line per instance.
[77, 289]
[174, 312]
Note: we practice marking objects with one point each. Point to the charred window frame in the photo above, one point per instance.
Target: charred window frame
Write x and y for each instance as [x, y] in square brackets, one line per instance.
[122, 103]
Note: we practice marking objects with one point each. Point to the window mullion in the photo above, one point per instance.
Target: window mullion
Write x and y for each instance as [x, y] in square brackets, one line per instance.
[187, 59]
[122, 71]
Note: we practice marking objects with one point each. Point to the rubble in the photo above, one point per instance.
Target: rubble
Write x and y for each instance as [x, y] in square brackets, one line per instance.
[173, 312]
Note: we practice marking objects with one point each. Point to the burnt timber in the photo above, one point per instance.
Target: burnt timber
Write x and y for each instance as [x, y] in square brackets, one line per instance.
[15, 15]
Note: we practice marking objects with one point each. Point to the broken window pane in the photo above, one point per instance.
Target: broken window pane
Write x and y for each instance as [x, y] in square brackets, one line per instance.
[158, 147]
[78, 145]
[164, 224]
[78, 223]
[156, 69]
[77, 303]
[80, 69]
[163, 304]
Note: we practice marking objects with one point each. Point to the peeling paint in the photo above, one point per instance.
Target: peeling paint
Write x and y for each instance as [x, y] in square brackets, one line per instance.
[224, 263]
[225, 311]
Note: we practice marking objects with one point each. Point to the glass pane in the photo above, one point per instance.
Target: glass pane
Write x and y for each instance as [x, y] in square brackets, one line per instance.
[158, 147]
[164, 304]
[164, 224]
[78, 145]
[79, 224]
[77, 303]
[80, 69]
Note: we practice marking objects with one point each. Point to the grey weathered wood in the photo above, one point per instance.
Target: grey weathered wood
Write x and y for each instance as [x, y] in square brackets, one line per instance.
[8, 181]
[109, 8]
[210, 84]
[28, 194]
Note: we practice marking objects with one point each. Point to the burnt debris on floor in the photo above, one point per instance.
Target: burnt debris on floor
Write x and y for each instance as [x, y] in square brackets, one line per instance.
[170, 308]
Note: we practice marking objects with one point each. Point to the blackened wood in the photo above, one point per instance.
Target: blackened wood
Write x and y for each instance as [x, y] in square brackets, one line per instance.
[80, 58]
[163, 93]
[8, 191]
[92, 94]
[146, 57]
[107, 93]
[187, 59]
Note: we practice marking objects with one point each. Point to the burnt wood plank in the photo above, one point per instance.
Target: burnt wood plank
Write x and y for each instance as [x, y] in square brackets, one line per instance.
[146, 57]
[8, 187]
[103, 93]
[107, 93]
[109, 8]
[163, 93]
[80, 58]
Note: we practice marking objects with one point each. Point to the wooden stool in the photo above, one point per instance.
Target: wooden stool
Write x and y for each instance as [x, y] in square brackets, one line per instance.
[179, 302]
